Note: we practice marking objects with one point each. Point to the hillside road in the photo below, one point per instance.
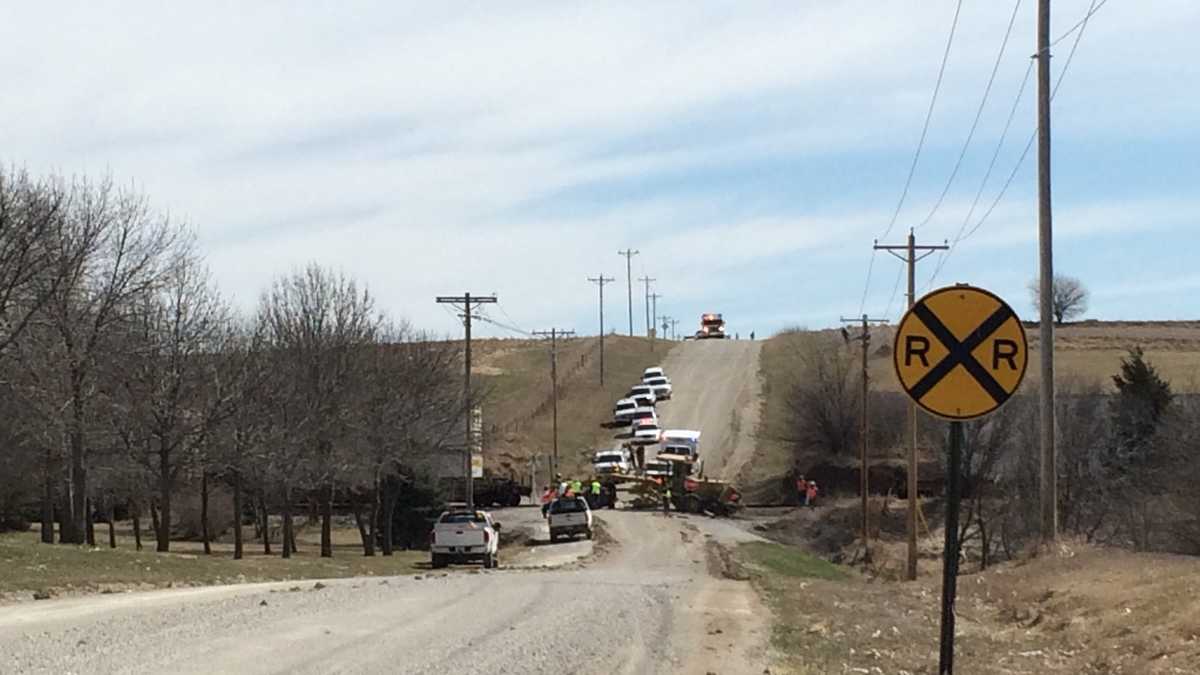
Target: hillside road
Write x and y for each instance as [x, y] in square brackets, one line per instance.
[716, 391]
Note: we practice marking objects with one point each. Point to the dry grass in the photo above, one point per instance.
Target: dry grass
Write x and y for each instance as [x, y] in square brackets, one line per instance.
[64, 569]
[521, 384]
[1078, 610]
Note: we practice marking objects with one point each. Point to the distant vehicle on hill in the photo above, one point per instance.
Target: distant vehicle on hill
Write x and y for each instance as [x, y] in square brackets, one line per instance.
[712, 326]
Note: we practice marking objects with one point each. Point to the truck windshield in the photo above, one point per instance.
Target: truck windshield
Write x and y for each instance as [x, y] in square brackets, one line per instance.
[568, 506]
[462, 518]
[601, 459]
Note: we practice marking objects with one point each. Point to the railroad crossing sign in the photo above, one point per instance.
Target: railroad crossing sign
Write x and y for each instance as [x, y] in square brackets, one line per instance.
[960, 352]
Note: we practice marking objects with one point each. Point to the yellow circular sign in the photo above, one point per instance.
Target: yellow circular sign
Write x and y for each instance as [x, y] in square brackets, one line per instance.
[960, 352]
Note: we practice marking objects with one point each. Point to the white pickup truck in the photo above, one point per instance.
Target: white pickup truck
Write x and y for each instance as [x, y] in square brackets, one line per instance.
[570, 516]
[465, 536]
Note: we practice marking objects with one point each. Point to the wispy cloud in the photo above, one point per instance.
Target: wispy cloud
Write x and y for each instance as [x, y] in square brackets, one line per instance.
[429, 149]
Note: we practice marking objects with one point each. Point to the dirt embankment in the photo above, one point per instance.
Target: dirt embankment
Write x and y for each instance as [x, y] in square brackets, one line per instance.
[1075, 610]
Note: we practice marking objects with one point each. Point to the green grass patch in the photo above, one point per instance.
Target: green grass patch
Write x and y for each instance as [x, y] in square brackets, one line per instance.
[27, 565]
[789, 561]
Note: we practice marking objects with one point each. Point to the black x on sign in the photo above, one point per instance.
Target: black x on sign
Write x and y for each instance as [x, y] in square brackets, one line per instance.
[960, 352]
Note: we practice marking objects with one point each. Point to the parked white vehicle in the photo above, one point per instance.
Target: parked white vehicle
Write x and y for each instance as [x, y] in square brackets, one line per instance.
[680, 445]
[643, 413]
[643, 391]
[614, 460]
[645, 432]
[623, 411]
[570, 516]
[651, 372]
[661, 387]
[465, 536]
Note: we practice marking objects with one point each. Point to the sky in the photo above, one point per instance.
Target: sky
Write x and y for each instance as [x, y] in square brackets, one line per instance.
[751, 152]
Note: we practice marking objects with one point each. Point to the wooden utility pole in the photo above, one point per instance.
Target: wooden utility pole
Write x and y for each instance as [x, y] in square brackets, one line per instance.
[864, 467]
[629, 253]
[910, 258]
[466, 300]
[554, 334]
[649, 317]
[674, 335]
[1049, 472]
[653, 316]
[600, 280]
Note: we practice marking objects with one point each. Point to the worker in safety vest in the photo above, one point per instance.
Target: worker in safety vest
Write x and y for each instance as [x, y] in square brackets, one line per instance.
[576, 488]
[547, 497]
[802, 490]
[666, 501]
[812, 493]
[596, 493]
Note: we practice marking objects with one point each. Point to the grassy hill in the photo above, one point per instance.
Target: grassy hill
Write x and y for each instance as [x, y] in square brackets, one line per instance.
[518, 410]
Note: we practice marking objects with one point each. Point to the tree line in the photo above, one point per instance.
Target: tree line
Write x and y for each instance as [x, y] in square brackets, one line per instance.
[126, 377]
[1126, 471]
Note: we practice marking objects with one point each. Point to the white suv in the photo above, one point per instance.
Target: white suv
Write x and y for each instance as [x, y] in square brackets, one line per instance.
[644, 392]
[661, 387]
[653, 371]
[615, 460]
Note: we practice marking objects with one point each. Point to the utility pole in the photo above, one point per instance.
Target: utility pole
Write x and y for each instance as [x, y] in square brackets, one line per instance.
[629, 253]
[864, 465]
[910, 258]
[554, 334]
[653, 315]
[674, 335]
[466, 300]
[649, 317]
[600, 281]
[1049, 473]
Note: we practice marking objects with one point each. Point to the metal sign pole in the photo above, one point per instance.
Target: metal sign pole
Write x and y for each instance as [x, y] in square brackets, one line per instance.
[950, 561]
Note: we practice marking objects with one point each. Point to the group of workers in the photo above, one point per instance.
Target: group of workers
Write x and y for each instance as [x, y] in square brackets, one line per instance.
[594, 492]
[806, 491]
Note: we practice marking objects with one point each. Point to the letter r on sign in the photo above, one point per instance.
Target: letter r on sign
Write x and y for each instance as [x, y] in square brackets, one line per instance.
[915, 345]
[1004, 350]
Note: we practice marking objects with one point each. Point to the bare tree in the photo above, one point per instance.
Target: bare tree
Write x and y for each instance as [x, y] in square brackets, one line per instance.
[1069, 296]
[412, 403]
[318, 322]
[823, 400]
[31, 213]
[107, 250]
[170, 387]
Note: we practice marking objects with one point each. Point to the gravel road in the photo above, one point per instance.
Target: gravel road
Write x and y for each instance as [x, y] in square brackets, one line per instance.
[654, 601]
[647, 605]
[715, 391]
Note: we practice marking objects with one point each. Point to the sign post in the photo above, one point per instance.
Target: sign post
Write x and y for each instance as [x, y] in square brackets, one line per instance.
[960, 353]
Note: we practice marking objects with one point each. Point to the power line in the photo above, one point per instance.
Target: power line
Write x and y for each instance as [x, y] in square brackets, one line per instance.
[987, 91]
[987, 175]
[1081, 26]
[937, 87]
[1082, 23]
[912, 170]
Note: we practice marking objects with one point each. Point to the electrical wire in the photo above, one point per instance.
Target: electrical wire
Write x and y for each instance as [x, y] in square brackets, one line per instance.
[987, 92]
[912, 170]
[987, 175]
[482, 316]
[1082, 23]
[1080, 28]
[937, 87]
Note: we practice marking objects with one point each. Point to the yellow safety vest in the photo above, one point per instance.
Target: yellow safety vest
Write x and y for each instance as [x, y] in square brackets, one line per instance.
[595, 487]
